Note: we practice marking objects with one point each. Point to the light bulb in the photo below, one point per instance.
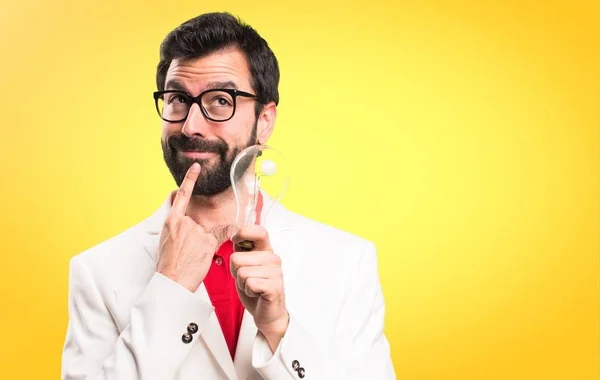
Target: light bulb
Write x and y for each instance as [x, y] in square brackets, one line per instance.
[259, 179]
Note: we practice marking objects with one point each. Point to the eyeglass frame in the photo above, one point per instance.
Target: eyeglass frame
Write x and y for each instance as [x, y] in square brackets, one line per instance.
[197, 100]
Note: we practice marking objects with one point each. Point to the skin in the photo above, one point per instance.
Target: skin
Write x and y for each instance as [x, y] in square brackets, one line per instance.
[197, 225]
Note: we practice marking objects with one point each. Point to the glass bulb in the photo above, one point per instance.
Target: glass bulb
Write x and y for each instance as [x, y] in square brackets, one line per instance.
[259, 179]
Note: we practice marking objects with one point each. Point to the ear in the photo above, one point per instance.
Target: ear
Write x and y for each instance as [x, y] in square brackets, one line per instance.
[266, 122]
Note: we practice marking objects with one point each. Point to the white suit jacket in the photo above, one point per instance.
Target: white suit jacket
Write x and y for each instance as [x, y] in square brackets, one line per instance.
[126, 321]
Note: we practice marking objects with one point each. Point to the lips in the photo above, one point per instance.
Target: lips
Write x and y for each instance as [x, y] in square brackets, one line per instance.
[197, 154]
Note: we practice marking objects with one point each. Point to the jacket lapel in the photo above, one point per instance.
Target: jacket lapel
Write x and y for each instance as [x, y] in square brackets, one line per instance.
[214, 339]
[243, 352]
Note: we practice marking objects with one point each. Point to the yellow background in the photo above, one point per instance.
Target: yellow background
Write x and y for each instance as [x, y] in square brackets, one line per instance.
[460, 136]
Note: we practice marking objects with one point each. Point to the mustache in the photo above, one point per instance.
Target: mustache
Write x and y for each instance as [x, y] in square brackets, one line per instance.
[184, 143]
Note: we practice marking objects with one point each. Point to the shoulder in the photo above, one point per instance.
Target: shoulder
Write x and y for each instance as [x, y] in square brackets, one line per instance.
[127, 244]
[112, 248]
[122, 259]
[326, 242]
[327, 234]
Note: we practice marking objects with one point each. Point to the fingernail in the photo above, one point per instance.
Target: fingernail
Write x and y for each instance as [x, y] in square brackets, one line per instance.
[195, 166]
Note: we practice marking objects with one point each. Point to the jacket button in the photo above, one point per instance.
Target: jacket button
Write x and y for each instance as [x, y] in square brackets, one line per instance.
[186, 338]
[295, 365]
[301, 372]
[192, 328]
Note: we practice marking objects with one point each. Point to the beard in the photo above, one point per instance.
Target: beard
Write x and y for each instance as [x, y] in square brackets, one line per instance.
[214, 178]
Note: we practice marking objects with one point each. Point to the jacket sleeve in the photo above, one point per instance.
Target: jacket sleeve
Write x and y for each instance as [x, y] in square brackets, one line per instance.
[358, 348]
[150, 347]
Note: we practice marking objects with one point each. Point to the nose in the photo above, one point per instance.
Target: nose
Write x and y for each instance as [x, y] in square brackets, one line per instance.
[195, 124]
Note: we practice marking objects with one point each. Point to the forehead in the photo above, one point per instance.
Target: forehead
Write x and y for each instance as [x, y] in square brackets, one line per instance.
[197, 74]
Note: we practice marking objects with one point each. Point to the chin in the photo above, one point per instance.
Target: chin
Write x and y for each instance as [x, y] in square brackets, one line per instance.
[186, 162]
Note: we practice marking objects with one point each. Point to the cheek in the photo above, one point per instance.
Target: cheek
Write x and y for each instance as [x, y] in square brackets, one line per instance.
[170, 129]
[235, 138]
[240, 127]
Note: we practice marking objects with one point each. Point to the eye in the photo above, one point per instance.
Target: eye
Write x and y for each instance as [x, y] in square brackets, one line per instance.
[217, 101]
[221, 101]
[176, 99]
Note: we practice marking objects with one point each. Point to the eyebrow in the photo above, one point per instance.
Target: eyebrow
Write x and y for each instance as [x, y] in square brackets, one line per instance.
[227, 84]
[174, 84]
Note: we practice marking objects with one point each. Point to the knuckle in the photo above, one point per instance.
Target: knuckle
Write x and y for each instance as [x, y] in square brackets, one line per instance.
[198, 230]
[171, 220]
[185, 225]
[243, 273]
[181, 192]
[276, 259]
[251, 283]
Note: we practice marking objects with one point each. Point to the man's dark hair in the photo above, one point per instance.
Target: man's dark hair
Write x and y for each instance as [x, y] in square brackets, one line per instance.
[211, 32]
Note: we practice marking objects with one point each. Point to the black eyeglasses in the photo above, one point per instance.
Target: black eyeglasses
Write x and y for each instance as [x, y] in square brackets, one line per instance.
[216, 105]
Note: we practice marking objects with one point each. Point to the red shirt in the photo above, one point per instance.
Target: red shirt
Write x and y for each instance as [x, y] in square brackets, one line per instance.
[222, 291]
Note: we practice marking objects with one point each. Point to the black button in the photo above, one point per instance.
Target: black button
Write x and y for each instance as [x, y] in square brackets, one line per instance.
[295, 365]
[192, 328]
[186, 338]
[301, 372]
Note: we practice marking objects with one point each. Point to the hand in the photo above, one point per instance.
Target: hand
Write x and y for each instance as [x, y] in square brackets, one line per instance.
[186, 250]
[259, 282]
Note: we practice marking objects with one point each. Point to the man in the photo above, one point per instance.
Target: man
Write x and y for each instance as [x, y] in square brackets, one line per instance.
[171, 298]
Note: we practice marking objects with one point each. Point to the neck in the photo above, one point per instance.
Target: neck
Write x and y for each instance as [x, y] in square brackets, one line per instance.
[216, 213]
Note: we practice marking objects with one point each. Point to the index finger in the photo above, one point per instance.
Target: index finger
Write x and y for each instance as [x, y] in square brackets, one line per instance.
[182, 198]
